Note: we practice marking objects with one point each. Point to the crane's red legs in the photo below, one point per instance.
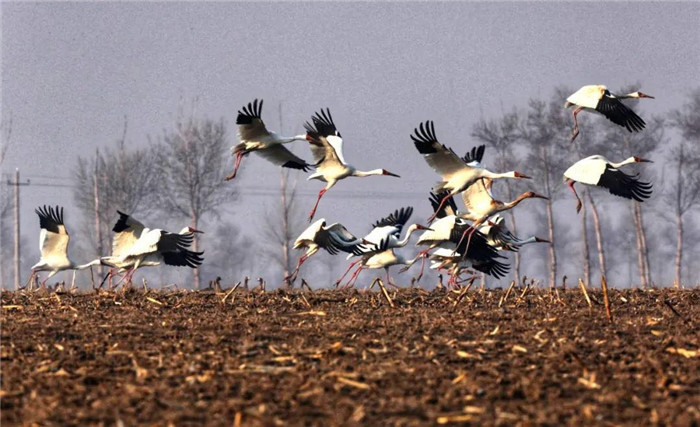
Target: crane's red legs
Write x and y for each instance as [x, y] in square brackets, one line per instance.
[292, 277]
[352, 264]
[442, 202]
[236, 165]
[579, 204]
[313, 211]
[575, 132]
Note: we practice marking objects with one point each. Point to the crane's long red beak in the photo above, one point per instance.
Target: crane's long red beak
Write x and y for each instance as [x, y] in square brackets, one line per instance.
[386, 172]
[644, 95]
[520, 175]
[640, 160]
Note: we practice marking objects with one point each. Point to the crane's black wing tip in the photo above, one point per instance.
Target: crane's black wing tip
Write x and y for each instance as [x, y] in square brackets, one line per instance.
[398, 218]
[248, 113]
[50, 218]
[121, 223]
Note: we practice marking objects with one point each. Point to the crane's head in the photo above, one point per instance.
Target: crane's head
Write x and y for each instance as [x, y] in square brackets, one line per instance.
[540, 240]
[536, 195]
[517, 174]
[386, 172]
[640, 160]
[640, 95]
[190, 230]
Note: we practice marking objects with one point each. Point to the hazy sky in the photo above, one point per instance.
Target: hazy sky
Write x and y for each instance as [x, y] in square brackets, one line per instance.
[72, 71]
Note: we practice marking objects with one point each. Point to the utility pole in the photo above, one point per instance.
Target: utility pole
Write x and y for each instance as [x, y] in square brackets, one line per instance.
[98, 224]
[17, 184]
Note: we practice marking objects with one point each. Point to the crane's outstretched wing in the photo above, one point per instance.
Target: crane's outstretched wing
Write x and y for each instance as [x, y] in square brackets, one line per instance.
[493, 268]
[397, 219]
[250, 125]
[325, 140]
[478, 250]
[279, 155]
[53, 238]
[623, 185]
[475, 156]
[449, 208]
[612, 108]
[183, 258]
[442, 159]
[127, 231]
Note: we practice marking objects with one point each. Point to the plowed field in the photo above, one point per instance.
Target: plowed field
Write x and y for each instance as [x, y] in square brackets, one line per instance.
[347, 357]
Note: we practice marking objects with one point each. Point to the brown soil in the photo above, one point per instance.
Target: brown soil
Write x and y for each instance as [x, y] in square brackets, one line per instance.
[332, 357]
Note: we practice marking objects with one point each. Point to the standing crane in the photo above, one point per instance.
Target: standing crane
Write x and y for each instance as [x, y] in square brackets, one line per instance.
[53, 241]
[599, 171]
[457, 173]
[598, 98]
[256, 138]
[327, 149]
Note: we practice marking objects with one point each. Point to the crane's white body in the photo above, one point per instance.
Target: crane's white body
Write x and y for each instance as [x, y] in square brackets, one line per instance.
[589, 170]
[587, 97]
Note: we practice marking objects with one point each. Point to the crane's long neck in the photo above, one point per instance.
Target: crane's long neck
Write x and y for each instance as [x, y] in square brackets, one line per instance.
[97, 261]
[407, 237]
[488, 174]
[368, 173]
[517, 201]
[624, 162]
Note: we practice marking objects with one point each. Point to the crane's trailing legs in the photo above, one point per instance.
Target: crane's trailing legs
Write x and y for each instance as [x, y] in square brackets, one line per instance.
[352, 264]
[236, 165]
[579, 204]
[442, 202]
[292, 277]
[575, 132]
[313, 211]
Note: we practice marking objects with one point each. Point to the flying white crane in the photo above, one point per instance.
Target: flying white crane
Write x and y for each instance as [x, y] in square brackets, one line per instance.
[599, 171]
[385, 234]
[382, 259]
[598, 98]
[256, 138]
[332, 238]
[499, 236]
[447, 232]
[457, 173]
[327, 149]
[135, 246]
[445, 257]
[481, 204]
[53, 242]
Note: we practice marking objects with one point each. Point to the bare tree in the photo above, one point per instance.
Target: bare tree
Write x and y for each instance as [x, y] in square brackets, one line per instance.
[192, 160]
[114, 179]
[684, 194]
[233, 256]
[545, 132]
[282, 225]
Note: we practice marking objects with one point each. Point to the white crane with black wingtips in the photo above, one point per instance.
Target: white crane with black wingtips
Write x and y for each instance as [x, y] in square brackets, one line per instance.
[255, 138]
[457, 173]
[53, 242]
[327, 148]
[598, 98]
[599, 171]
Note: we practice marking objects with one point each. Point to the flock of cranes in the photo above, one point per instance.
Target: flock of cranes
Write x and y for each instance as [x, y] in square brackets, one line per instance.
[456, 241]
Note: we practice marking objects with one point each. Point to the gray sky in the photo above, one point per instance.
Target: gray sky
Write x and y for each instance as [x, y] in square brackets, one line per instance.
[72, 71]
